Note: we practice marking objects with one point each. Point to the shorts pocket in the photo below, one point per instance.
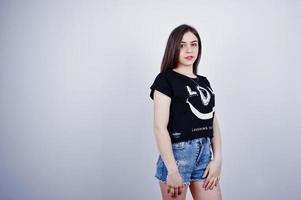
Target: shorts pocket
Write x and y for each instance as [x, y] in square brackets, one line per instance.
[178, 145]
[209, 151]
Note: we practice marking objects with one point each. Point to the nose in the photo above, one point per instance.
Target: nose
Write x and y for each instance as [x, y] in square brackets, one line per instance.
[189, 48]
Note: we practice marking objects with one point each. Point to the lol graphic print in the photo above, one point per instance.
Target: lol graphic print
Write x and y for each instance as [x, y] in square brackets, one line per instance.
[205, 96]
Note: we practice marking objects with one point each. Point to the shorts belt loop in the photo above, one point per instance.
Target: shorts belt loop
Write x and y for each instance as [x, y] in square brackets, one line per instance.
[204, 140]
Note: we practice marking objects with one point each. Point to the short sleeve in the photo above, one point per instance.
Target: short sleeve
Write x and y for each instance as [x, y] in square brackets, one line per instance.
[208, 83]
[162, 85]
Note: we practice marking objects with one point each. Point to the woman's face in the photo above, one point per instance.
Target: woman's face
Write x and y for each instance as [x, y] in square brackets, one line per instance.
[189, 49]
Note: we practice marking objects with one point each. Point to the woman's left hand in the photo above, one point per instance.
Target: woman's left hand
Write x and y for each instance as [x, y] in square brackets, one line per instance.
[214, 170]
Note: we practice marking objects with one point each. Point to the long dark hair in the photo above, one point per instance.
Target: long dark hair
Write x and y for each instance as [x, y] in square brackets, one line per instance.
[172, 50]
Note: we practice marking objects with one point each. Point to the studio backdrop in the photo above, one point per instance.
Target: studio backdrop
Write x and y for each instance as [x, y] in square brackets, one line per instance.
[76, 116]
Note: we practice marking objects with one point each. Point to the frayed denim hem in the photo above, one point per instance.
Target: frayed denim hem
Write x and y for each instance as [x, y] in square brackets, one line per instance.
[185, 184]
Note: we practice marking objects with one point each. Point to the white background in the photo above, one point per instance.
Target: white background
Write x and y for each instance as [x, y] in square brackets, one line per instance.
[76, 116]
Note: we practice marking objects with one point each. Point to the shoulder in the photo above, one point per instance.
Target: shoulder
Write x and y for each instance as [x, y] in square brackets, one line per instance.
[162, 84]
[204, 78]
[165, 76]
[162, 80]
[161, 76]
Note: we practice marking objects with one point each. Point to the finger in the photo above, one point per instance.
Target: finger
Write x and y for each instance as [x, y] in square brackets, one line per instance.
[176, 191]
[205, 173]
[217, 180]
[206, 181]
[214, 183]
[174, 194]
[179, 190]
[209, 183]
[169, 189]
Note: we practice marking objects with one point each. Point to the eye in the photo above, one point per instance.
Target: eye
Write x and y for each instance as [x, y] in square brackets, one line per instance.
[195, 44]
[182, 45]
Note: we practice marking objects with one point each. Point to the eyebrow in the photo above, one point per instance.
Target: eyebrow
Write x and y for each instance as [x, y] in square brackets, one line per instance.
[190, 42]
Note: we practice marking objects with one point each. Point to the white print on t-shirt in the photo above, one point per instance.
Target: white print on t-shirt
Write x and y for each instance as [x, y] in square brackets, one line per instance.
[205, 100]
[202, 128]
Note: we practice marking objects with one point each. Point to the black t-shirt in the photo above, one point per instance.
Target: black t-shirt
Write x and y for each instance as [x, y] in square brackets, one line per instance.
[192, 107]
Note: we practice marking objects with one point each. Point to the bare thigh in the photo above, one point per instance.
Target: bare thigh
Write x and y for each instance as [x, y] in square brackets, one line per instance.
[199, 193]
[167, 196]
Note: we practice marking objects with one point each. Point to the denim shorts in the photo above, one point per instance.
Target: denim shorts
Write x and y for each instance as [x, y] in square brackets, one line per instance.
[192, 158]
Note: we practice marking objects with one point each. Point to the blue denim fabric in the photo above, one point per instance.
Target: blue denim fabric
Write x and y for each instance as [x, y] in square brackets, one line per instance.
[192, 158]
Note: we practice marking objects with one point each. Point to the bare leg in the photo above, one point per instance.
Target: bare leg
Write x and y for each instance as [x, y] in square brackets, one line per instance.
[167, 196]
[199, 193]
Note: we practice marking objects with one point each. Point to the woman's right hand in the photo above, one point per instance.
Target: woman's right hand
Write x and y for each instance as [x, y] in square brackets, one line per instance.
[174, 183]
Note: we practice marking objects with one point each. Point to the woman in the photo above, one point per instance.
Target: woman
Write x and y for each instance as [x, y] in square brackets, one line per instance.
[185, 124]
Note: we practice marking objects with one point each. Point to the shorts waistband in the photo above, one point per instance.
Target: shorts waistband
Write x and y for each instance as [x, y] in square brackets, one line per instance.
[180, 136]
[202, 139]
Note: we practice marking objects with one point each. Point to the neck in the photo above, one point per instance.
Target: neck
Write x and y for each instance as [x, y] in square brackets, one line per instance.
[188, 70]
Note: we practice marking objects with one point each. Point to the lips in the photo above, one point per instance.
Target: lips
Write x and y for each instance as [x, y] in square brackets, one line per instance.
[189, 57]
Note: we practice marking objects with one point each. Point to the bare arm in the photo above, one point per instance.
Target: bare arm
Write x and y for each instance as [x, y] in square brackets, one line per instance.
[213, 169]
[216, 140]
[163, 141]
